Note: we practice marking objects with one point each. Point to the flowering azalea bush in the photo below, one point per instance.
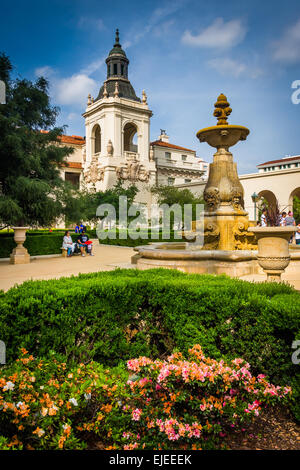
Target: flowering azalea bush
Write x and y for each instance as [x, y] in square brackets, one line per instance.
[186, 403]
[179, 403]
[42, 402]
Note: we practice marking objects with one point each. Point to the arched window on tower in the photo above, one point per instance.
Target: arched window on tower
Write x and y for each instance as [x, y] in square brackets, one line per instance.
[130, 138]
[96, 139]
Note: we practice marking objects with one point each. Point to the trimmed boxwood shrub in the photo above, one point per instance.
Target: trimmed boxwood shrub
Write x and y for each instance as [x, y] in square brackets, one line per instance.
[113, 316]
[145, 238]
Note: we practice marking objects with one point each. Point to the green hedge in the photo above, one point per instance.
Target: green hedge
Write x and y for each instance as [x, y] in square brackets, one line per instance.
[37, 242]
[46, 243]
[145, 238]
[112, 316]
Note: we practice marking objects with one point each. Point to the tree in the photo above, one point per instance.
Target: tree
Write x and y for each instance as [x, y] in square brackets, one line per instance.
[296, 209]
[170, 195]
[32, 191]
[90, 200]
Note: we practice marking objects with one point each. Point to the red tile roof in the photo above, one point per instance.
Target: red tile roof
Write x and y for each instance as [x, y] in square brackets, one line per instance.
[69, 139]
[282, 161]
[160, 143]
[72, 165]
[72, 139]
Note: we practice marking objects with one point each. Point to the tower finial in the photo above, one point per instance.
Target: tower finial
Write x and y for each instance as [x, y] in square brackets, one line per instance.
[117, 40]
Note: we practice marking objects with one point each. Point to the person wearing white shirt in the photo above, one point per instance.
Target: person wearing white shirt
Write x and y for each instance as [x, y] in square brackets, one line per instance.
[68, 243]
[297, 235]
[283, 219]
[263, 218]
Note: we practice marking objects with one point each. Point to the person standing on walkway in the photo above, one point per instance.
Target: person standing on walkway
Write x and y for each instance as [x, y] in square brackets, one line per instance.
[297, 235]
[290, 221]
[263, 218]
[283, 219]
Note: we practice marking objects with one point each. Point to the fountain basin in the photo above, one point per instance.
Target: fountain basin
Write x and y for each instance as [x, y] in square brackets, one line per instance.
[192, 259]
[223, 136]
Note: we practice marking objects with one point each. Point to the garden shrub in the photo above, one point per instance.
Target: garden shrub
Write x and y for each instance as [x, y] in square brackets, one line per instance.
[125, 237]
[37, 242]
[180, 403]
[112, 316]
[190, 402]
[42, 401]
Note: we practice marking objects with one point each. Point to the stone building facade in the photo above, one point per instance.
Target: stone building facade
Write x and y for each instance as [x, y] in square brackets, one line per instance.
[117, 140]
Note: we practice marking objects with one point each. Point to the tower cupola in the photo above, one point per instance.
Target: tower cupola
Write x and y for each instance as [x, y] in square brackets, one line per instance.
[117, 62]
[117, 71]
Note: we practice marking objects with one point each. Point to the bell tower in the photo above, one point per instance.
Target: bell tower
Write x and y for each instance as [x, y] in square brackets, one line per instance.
[118, 130]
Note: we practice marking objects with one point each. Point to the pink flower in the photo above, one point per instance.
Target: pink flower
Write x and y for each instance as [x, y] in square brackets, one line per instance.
[136, 414]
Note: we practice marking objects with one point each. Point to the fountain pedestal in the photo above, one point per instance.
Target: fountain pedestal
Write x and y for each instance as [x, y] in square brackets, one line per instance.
[225, 220]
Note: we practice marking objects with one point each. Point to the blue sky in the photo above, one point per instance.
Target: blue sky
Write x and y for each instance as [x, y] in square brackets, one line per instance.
[182, 52]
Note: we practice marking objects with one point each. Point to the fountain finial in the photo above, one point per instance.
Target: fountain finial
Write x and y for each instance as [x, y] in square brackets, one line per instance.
[222, 110]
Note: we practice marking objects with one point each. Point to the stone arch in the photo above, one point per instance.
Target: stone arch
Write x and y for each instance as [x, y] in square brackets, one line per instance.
[130, 131]
[96, 139]
[295, 192]
[269, 196]
[292, 206]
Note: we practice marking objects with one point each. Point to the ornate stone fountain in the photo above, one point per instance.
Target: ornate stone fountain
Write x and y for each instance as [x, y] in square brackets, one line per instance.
[229, 244]
[226, 221]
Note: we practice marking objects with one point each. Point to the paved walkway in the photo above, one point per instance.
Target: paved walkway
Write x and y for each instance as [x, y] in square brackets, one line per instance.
[106, 258]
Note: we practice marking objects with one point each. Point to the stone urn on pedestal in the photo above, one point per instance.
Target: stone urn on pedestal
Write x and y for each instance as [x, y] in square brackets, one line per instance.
[20, 254]
[273, 249]
[110, 149]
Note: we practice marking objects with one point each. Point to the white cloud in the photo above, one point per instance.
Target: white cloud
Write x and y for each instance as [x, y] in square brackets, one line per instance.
[156, 20]
[86, 22]
[287, 48]
[226, 66]
[45, 71]
[93, 66]
[219, 35]
[168, 9]
[71, 90]
[74, 89]
[72, 116]
[233, 68]
[163, 28]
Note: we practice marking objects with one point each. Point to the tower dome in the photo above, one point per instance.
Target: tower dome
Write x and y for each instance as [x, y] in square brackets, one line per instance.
[117, 71]
[117, 49]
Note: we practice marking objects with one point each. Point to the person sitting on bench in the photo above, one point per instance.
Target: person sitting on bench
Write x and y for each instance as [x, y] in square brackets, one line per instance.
[68, 243]
[84, 244]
